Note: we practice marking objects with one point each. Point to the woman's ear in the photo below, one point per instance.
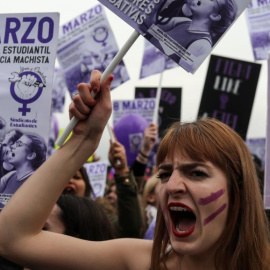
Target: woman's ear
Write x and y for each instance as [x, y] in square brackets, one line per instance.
[215, 17]
[31, 156]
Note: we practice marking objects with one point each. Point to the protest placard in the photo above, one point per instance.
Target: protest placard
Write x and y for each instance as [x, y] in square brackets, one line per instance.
[27, 58]
[169, 105]
[258, 20]
[97, 173]
[154, 61]
[229, 92]
[87, 43]
[144, 107]
[184, 30]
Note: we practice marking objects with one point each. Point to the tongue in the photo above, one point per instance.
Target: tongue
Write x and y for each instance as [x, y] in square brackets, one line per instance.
[185, 224]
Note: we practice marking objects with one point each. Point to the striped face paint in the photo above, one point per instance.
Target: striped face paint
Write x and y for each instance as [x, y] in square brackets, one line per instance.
[215, 214]
[213, 197]
[210, 199]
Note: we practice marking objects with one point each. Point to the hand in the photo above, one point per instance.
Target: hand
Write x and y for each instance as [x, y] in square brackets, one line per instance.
[26, 86]
[150, 139]
[118, 159]
[92, 113]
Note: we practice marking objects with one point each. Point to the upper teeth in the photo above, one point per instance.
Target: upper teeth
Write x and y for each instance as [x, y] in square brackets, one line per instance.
[178, 208]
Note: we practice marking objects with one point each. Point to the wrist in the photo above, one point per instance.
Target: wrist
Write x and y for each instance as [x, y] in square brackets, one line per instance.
[122, 173]
[144, 154]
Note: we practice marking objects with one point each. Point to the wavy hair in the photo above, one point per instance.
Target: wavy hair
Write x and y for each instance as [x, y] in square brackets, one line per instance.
[244, 243]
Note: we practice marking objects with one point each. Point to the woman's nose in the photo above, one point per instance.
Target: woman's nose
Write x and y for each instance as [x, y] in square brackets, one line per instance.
[176, 184]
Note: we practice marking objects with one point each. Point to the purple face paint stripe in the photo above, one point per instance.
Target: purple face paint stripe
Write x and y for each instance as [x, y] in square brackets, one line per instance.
[215, 214]
[213, 197]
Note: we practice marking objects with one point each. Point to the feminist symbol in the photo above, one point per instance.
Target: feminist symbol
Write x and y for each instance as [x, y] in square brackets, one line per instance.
[25, 88]
[100, 35]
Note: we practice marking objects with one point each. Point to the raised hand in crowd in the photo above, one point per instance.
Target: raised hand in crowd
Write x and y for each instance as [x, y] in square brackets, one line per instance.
[139, 165]
[118, 159]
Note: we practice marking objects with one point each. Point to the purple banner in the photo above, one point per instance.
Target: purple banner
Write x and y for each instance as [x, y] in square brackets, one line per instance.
[184, 30]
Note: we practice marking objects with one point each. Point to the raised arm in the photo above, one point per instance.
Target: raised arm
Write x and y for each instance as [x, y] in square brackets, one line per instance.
[21, 237]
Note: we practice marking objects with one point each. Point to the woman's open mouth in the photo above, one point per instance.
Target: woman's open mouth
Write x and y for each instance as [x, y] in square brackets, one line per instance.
[69, 190]
[183, 219]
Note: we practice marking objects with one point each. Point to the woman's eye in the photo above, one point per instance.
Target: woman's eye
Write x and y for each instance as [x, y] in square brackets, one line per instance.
[198, 174]
[164, 176]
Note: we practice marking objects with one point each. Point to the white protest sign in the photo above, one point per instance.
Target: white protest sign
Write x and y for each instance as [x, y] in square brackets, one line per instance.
[87, 43]
[27, 59]
[97, 173]
[186, 31]
[143, 106]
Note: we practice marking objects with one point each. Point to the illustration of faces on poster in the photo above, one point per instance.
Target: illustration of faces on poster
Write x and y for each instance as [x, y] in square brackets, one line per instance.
[185, 30]
[28, 51]
[229, 92]
[87, 43]
[257, 13]
[154, 61]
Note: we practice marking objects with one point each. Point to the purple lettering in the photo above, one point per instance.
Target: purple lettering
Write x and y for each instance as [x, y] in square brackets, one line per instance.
[41, 29]
[32, 21]
[11, 31]
[67, 28]
[83, 18]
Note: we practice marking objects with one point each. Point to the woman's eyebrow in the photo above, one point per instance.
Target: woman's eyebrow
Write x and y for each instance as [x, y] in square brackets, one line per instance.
[187, 166]
[165, 167]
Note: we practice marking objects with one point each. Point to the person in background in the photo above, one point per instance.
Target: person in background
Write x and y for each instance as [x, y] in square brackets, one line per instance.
[150, 202]
[123, 194]
[210, 213]
[139, 165]
[79, 184]
[79, 217]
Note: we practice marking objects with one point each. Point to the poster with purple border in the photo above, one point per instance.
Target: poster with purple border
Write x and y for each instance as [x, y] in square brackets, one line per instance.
[267, 158]
[154, 61]
[87, 43]
[229, 92]
[258, 16]
[28, 45]
[185, 30]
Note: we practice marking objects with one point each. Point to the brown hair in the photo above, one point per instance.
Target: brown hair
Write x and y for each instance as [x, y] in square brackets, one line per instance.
[244, 244]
